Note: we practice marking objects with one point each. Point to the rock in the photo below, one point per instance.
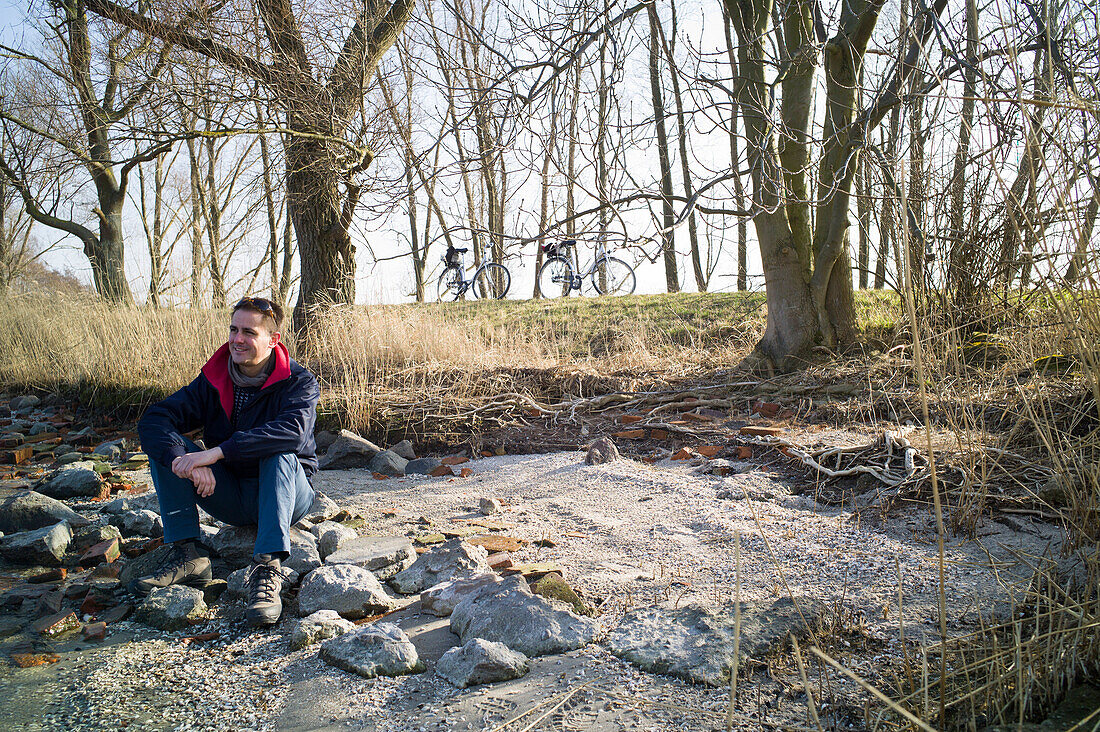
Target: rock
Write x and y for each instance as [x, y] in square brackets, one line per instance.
[132, 502]
[72, 481]
[23, 403]
[351, 591]
[41, 428]
[28, 510]
[441, 599]
[388, 462]
[236, 544]
[383, 555]
[213, 591]
[172, 608]
[323, 509]
[488, 506]
[422, 466]
[696, 644]
[602, 451]
[404, 449]
[112, 450]
[95, 631]
[141, 522]
[453, 559]
[331, 536]
[554, 587]
[509, 613]
[481, 662]
[104, 552]
[68, 458]
[237, 589]
[381, 649]
[42, 546]
[349, 450]
[88, 536]
[319, 626]
[56, 624]
[324, 439]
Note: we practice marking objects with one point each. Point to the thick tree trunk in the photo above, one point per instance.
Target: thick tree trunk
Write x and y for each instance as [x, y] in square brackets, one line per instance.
[735, 163]
[107, 253]
[668, 217]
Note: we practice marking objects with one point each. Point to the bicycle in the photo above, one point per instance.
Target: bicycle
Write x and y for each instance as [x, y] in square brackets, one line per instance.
[610, 276]
[490, 281]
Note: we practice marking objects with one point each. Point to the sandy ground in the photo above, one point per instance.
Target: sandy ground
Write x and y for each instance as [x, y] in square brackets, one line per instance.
[627, 534]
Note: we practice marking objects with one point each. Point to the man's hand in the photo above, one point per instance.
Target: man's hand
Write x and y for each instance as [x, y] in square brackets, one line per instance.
[184, 465]
[203, 478]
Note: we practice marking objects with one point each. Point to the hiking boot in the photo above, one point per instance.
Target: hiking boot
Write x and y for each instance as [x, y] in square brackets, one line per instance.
[183, 565]
[265, 583]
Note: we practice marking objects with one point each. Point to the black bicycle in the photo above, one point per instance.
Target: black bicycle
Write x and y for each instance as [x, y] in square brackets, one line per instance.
[490, 281]
[610, 276]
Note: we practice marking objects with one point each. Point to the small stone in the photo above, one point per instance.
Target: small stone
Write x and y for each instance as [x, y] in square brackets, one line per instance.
[117, 614]
[141, 522]
[351, 591]
[489, 506]
[112, 450]
[404, 449]
[381, 649]
[388, 462]
[331, 536]
[23, 403]
[214, 590]
[481, 662]
[236, 545]
[96, 631]
[441, 471]
[317, 627]
[422, 466]
[68, 458]
[172, 608]
[494, 543]
[554, 587]
[46, 546]
[602, 451]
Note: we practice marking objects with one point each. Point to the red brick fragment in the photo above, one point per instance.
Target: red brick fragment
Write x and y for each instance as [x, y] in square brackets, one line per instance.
[117, 614]
[442, 470]
[695, 417]
[20, 455]
[487, 453]
[761, 431]
[630, 418]
[455, 460]
[466, 472]
[708, 451]
[95, 603]
[685, 453]
[27, 660]
[744, 452]
[380, 476]
[766, 409]
[500, 561]
[629, 434]
[95, 631]
[105, 551]
[659, 434]
[50, 575]
[107, 571]
[56, 624]
[200, 638]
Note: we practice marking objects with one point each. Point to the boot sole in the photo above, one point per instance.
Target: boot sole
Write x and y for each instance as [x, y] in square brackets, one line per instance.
[261, 621]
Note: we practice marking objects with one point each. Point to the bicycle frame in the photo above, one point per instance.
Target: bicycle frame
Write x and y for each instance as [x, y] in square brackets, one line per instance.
[599, 256]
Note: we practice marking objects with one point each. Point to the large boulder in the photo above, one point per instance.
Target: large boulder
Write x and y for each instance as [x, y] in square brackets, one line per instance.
[75, 480]
[381, 649]
[422, 466]
[172, 608]
[351, 591]
[383, 555]
[29, 510]
[319, 626]
[695, 643]
[236, 545]
[404, 449]
[452, 559]
[42, 546]
[481, 662]
[331, 536]
[349, 451]
[511, 614]
[388, 462]
[442, 599]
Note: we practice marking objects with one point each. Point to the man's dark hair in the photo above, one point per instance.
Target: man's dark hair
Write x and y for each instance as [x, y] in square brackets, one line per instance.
[263, 306]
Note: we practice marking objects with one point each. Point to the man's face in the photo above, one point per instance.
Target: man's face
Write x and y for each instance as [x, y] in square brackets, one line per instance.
[250, 341]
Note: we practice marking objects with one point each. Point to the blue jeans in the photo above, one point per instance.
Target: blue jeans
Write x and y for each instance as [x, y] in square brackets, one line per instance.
[272, 502]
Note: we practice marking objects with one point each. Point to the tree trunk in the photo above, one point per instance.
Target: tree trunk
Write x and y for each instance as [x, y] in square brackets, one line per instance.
[735, 165]
[668, 217]
[961, 274]
[214, 228]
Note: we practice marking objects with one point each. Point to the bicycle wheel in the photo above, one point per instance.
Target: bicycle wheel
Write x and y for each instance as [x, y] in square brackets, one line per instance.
[450, 284]
[555, 277]
[614, 277]
[492, 281]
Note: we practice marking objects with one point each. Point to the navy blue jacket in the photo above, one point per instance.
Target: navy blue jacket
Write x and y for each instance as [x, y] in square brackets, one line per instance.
[280, 418]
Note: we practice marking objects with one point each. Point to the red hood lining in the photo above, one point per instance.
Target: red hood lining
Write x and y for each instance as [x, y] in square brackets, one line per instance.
[216, 372]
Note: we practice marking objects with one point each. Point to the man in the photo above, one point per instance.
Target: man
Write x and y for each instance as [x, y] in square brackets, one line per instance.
[257, 407]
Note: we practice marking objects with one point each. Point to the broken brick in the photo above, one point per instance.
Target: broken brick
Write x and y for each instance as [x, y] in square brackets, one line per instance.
[659, 434]
[103, 552]
[50, 575]
[629, 434]
[695, 417]
[94, 631]
[106, 571]
[766, 409]
[380, 476]
[466, 472]
[454, 460]
[117, 613]
[760, 431]
[685, 453]
[51, 602]
[499, 561]
[708, 451]
[27, 660]
[95, 602]
[56, 624]
[487, 453]
[19, 455]
[630, 418]
[441, 471]
[496, 544]
[744, 452]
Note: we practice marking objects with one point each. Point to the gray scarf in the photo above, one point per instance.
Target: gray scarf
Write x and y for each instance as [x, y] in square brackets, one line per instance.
[251, 382]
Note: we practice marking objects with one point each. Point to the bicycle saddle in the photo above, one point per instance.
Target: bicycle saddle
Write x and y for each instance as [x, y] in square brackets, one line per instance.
[460, 251]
